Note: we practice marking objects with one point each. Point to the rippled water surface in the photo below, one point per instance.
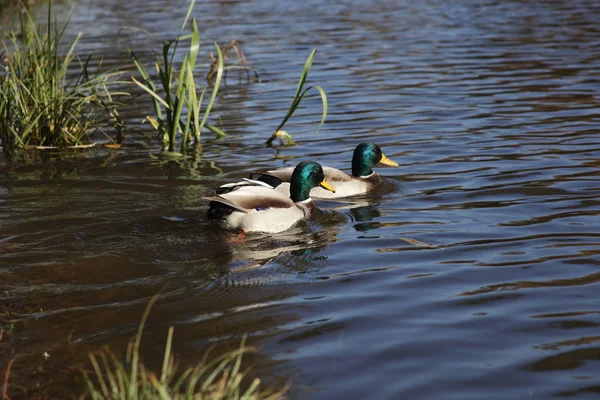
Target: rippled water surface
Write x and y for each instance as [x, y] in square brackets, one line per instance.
[472, 272]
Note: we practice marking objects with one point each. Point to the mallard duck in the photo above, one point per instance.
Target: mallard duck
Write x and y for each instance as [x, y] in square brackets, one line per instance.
[257, 208]
[362, 180]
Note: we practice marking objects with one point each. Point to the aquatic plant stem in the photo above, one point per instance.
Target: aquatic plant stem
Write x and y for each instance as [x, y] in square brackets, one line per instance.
[297, 100]
[6, 376]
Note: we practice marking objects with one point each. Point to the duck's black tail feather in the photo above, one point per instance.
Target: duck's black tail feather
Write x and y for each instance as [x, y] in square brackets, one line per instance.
[218, 210]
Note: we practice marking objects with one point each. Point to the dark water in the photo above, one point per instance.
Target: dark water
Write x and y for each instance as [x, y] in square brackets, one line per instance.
[471, 273]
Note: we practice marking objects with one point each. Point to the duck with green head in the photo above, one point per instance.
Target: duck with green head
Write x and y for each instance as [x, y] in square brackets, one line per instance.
[362, 180]
[258, 208]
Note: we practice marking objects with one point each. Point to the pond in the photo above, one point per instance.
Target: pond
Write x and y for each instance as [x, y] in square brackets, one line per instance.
[471, 272]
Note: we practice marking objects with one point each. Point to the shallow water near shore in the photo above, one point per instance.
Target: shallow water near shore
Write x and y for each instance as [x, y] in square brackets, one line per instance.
[471, 272]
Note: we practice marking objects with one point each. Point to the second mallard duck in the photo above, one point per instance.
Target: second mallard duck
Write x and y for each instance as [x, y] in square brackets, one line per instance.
[362, 180]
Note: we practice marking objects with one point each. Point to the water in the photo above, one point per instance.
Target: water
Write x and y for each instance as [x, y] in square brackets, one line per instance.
[470, 273]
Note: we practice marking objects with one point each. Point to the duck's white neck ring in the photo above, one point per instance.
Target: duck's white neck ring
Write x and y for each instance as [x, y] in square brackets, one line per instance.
[305, 201]
[367, 176]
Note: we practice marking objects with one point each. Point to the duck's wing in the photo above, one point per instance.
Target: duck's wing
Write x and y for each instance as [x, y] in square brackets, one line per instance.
[229, 187]
[281, 175]
[275, 181]
[253, 198]
[333, 175]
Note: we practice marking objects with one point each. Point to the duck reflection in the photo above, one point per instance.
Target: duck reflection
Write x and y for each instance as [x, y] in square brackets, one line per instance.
[296, 250]
[365, 209]
[364, 215]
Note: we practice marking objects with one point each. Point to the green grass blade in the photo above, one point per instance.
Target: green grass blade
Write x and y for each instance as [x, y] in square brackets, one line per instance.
[179, 102]
[305, 70]
[197, 107]
[167, 356]
[49, 51]
[148, 81]
[136, 349]
[215, 130]
[215, 87]
[250, 393]
[152, 93]
[61, 31]
[99, 375]
[189, 12]
[324, 101]
[162, 391]
[67, 60]
[194, 44]
[192, 104]
[166, 77]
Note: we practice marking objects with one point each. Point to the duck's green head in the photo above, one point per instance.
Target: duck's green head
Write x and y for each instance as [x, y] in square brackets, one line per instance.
[306, 176]
[366, 156]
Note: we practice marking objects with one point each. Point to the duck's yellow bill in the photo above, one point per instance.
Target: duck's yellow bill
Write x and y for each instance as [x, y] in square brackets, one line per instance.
[387, 161]
[327, 186]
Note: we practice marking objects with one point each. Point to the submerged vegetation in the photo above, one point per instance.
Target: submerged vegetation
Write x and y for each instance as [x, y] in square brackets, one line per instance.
[219, 379]
[42, 102]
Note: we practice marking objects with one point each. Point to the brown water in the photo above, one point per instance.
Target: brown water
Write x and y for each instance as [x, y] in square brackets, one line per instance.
[492, 110]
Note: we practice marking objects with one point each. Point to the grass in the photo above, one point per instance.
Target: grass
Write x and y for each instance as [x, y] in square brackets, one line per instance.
[221, 378]
[42, 102]
[279, 132]
[180, 92]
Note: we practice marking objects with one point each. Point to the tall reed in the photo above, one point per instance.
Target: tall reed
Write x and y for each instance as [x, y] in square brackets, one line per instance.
[180, 92]
[283, 135]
